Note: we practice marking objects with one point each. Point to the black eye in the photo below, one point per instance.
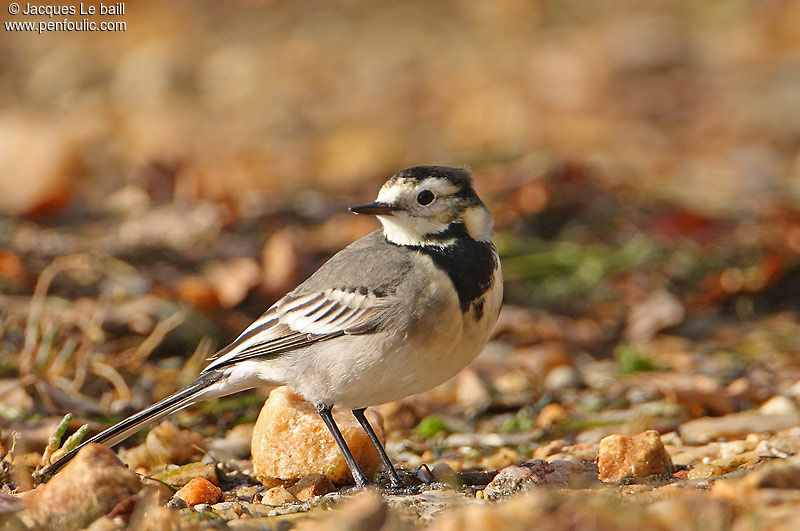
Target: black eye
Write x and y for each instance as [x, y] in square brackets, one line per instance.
[425, 197]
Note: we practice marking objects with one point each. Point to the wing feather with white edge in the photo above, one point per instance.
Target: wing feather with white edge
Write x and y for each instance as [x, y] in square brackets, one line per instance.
[297, 321]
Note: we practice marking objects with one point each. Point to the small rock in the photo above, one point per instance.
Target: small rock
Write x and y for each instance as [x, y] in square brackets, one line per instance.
[538, 473]
[245, 492]
[87, 488]
[577, 453]
[256, 510]
[278, 496]
[779, 405]
[659, 310]
[682, 505]
[693, 455]
[547, 509]
[165, 444]
[780, 475]
[794, 390]
[642, 455]
[233, 279]
[403, 414]
[174, 225]
[562, 377]
[9, 504]
[694, 393]
[735, 425]
[497, 460]
[444, 473]
[708, 470]
[472, 393]
[14, 400]
[548, 449]
[785, 443]
[153, 517]
[125, 507]
[290, 441]
[550, 414]
[310, 487]
[235, 444]
[104, 523]
[179, 476]
[728, 457]
[365, 511]
[228, 510]
[732, 489]
[199, 490]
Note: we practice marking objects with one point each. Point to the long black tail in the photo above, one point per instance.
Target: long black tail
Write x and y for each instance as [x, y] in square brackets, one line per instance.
[120, 431]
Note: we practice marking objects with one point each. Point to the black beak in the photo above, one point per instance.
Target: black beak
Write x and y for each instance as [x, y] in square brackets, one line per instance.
[376, 208]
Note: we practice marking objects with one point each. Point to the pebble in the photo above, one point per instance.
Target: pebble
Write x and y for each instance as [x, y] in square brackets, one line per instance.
[88, 487]
[781, 475]
[735, 425]
[199, 490]
[472, 393]
[444, 473]
[179, 476]
[277, 496]
[620, 457]
[310, 487]
[228, 510]
[538, 509]
[556, 450]
[539, 473]
[164, 444]
[550, 414]
[235, 444]
[365, 511]
[659, 310]
[779, 405]
[290, 442]
[563, 377]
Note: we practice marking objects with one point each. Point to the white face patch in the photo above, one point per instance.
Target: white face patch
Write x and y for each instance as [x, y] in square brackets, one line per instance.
[440, 187]
[409, 230]
[404, 189]
[412, 224]
[479, 223]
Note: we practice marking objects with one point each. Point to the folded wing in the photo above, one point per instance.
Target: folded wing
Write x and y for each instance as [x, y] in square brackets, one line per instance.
[297, 321]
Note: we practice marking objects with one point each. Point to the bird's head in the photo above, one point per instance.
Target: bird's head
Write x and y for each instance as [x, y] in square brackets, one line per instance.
[430, 205]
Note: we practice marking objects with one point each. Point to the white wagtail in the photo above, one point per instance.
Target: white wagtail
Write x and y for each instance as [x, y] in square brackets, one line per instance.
[397, 312]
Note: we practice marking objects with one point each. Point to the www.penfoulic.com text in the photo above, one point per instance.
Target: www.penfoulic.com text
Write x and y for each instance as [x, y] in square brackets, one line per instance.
[49, 12]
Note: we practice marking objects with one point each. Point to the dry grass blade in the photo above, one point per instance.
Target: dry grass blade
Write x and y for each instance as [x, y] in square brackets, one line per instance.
[110, 373]
[134, 360]
[191, 368]
[37, 305]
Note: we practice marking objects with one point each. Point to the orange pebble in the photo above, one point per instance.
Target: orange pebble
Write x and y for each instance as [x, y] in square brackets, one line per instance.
[199, 490]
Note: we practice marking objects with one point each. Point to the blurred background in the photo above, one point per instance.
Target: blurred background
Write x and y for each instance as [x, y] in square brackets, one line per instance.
[162, 185]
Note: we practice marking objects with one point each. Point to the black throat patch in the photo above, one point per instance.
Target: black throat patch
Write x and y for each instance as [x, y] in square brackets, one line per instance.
[469, 263]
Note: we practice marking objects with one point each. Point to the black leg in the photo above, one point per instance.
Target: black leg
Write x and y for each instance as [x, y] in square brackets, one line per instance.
[327, 417]
[397, 483]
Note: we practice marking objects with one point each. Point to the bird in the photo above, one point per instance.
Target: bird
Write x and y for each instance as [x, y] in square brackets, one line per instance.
[397, 312]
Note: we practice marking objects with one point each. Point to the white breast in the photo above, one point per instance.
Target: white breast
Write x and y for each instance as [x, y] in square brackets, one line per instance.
[362, 370]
